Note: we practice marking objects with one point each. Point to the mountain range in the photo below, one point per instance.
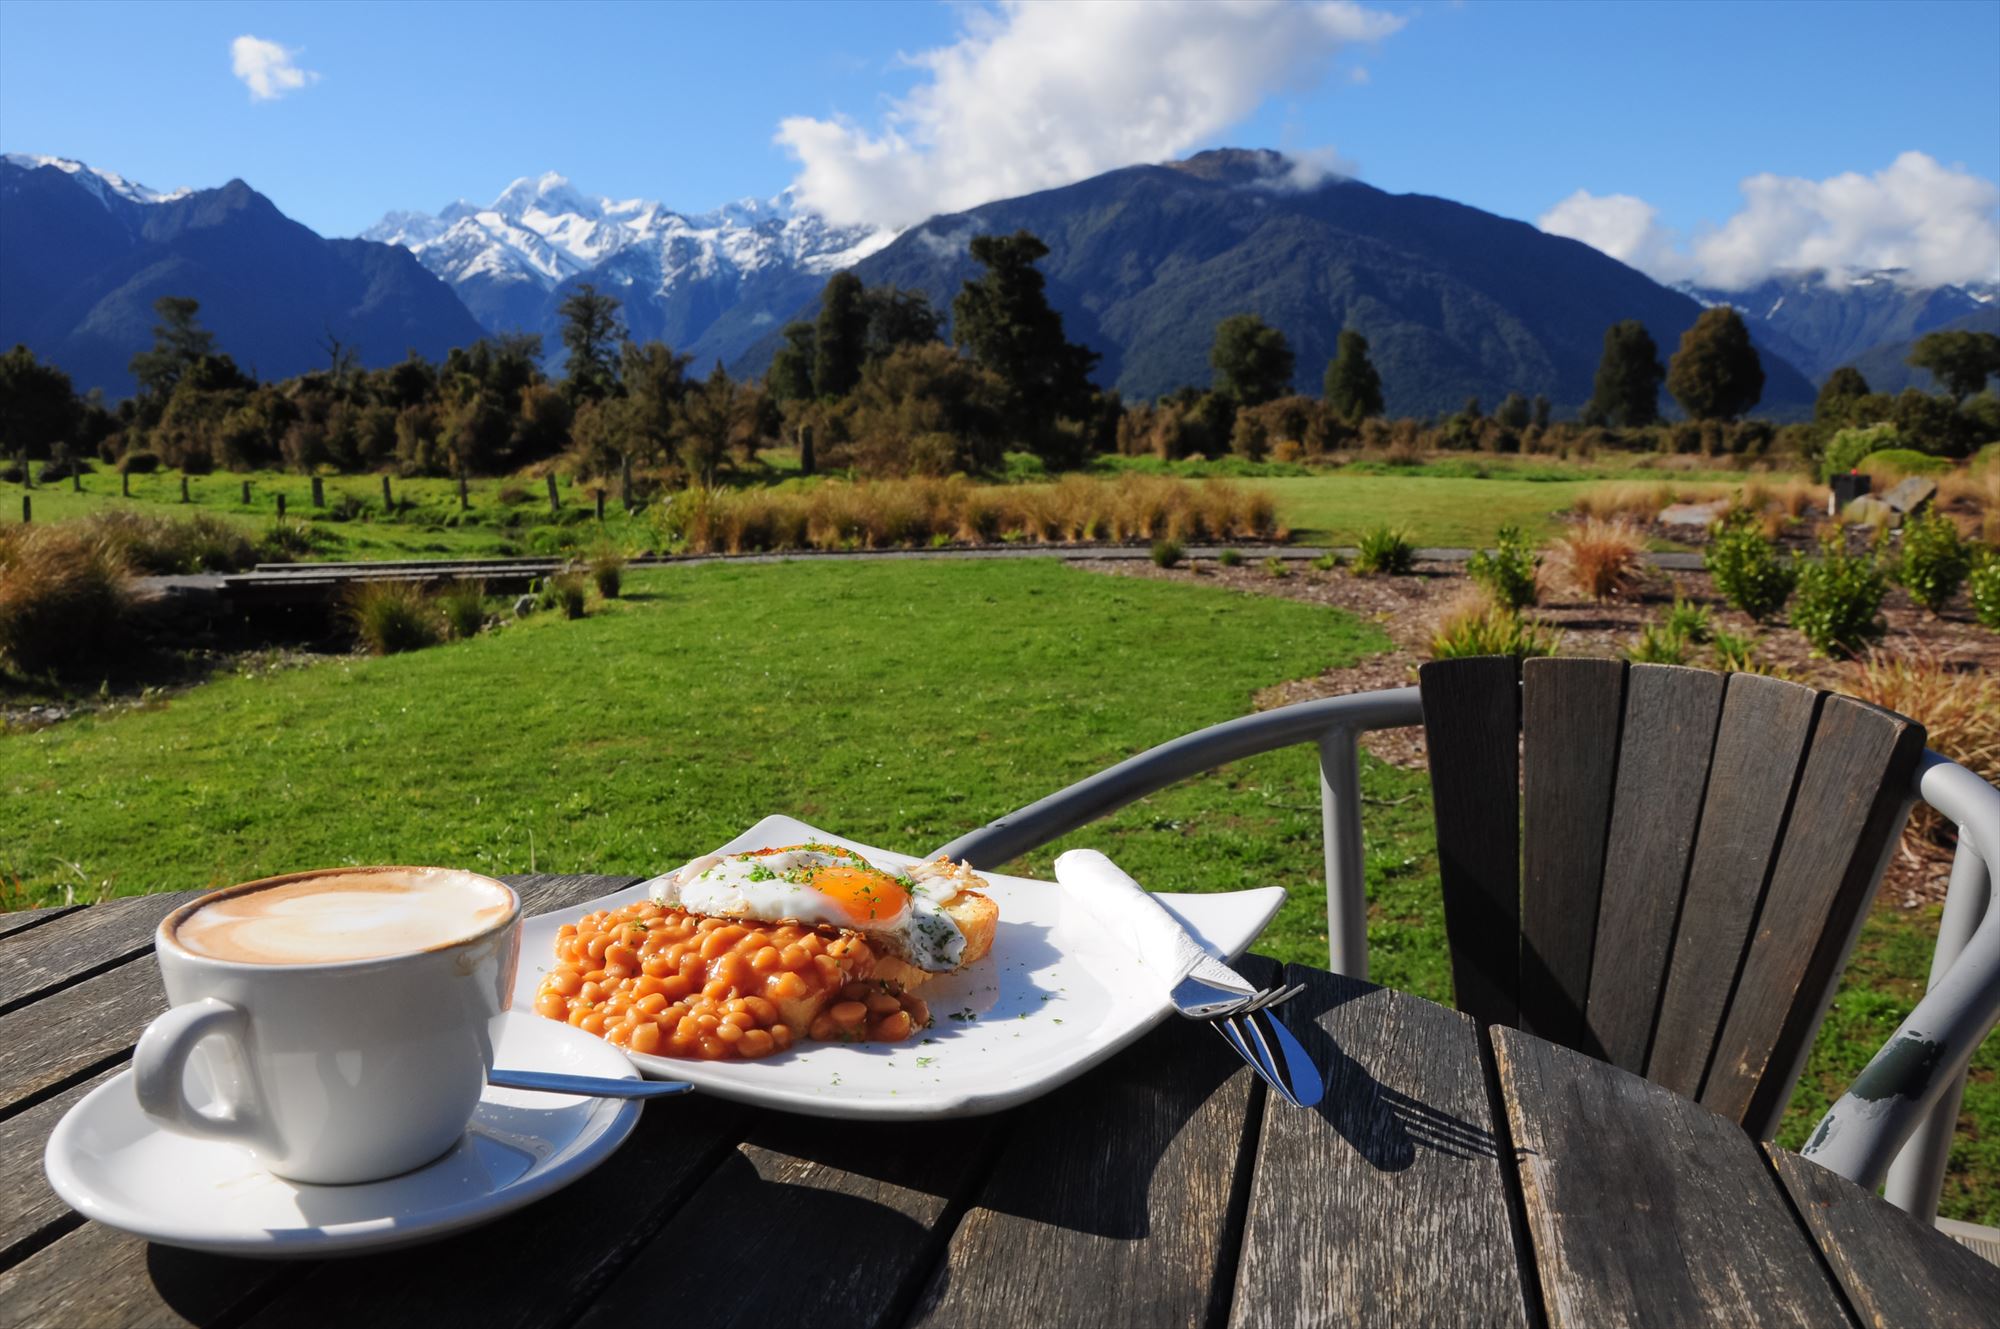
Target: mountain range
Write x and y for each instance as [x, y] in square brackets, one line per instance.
[84, 254]
[1143, 263]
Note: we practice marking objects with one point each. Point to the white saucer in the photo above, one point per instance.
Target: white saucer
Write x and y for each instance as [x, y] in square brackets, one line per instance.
[108, 1161]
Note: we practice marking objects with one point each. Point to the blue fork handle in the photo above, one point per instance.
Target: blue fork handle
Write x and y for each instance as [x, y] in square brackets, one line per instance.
[591, 1086]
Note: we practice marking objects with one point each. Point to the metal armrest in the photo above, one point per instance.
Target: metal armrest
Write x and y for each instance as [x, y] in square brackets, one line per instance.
[1909, 1093]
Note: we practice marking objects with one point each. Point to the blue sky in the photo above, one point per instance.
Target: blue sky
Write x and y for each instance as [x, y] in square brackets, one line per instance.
[1512, 107]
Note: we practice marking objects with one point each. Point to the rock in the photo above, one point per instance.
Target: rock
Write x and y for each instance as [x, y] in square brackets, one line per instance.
[1700, 515]
[1871, 511]
[524, 606]
[1911, 494]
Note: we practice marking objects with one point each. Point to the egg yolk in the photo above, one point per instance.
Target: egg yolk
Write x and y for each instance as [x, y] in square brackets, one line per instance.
[863, 894]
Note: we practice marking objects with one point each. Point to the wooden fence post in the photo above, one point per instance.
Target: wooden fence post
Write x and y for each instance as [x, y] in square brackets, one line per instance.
[27, 471]
[76, 477]
[184, 488]
[600, 502]
[388, 503]
[125, 484]
[319, 493]
[625, 482]
[464, 500]
[555, 503]
[246, 493]
[27, 509]
[281, 507]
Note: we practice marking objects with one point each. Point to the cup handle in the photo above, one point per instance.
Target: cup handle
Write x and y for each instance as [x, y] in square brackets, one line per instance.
[159, 1065]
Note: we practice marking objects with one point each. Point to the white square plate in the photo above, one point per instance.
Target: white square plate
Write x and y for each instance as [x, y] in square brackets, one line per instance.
[1053, 999]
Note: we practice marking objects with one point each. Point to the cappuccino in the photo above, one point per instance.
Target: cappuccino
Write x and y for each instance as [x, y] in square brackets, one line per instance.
[344, 914]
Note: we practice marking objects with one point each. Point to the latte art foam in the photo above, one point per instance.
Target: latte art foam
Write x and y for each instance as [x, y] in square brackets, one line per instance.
[338, 916]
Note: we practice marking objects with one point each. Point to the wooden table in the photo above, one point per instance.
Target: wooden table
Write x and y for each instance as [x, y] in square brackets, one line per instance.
[1448, 1179]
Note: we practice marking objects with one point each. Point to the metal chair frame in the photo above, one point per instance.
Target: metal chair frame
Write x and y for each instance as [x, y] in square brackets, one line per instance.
[1896, 1121]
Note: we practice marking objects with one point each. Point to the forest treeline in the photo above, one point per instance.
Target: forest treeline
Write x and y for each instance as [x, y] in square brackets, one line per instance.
[872, 385]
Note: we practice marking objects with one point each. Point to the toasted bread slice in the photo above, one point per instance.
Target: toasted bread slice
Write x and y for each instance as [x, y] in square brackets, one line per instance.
[977, 917]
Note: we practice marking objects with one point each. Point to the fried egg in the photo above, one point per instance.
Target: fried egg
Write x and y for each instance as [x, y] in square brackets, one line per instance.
[901, 912]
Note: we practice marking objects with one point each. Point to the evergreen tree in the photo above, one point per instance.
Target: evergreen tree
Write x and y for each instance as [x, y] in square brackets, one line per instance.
[899, 318]
[1252, 360]
[178, 342]
[1542, 411]
[1716, 375]
[1473, 410]
[1842, 389]
[591, 333]
[1960, 361]
[1513, 412]
[1626, 391]
[38, 407]
[1353, 389]
[1004, 319]
[841, 345]
[790, 377]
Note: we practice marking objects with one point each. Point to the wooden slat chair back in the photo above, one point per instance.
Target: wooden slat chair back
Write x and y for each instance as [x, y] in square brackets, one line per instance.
[1662, 867]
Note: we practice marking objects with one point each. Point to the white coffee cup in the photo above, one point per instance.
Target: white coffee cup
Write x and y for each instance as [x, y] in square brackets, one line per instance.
[342, 1017]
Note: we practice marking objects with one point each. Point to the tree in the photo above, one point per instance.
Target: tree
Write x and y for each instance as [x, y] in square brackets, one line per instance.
[713, 416]
[1716, 375]
[1513, 411]
[38, 407]
[1542, 411]
[177, 343]
[790, 377]
[840, 336]
[1003, 317]
[1626, 391]
[1252, 360]
[899, 318]
[1474, 410]
[1960, 361]
[591, 333]
[1837, 395]
[1353, 389]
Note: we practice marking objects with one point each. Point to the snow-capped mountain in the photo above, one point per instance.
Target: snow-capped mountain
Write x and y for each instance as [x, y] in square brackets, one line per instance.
[1821, 321]
[102, 184]
[514, 260]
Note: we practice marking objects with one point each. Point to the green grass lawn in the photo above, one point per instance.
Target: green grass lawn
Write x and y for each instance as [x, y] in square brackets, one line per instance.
[898, 703]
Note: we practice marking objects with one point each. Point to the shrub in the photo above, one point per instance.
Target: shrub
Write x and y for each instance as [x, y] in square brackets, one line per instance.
[139, 463]
[463, 605]
[607, 569]
[1229, 558]
[1276, 569]
[1659, 643]
[1747, 569]
[166, 545]
[1508, 573]
[1599, 559]
[288, 539]
[346, 507]
[509, 495]
[1935, 560]
[1839, 600]
[1384, 549]
[1892, 464]
[65, 591]
[1738, 655]
[1984, 587]
[566, 591]
[1845, 449]
[1166, 553]
[1959, 708]
[391, 616]
[1473, 624]
[1327, 562]
[1690, 621]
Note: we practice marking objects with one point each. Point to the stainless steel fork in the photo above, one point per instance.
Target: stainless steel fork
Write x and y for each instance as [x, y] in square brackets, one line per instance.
[1247, 1023]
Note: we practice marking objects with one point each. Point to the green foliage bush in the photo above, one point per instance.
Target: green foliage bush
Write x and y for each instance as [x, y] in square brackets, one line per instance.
[1690, 621]
[607, 569]
[1839, 601]
[1384, 549]
[1229, 558]
[1166, 553]
[1658, 643]
[1509, 572]
[566, 592]
[1746, 568]
[1492, 630]
[1845, 449]
[1984, 587]
[1935, 560]
[1738, 655]
[287, 539]
[1903, 461]
[392, 616]
[65, 592]
[463, 607]
[1276, 568]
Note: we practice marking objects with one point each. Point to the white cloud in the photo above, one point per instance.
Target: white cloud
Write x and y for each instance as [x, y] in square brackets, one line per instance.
[267, 69]
[1940, 224]
[1035, 95]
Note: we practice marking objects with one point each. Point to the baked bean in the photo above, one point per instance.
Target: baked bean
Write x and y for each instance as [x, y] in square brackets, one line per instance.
[646, 1038]
[755, 1043]
[881, 1003]
[892, 1028]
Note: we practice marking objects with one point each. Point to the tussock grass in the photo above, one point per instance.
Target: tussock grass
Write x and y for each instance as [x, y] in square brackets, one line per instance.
[1959, 708]
[65, 592]
[166, 545]
[1599, 559]
[390, 617]
[462, 604]
[1472, 622]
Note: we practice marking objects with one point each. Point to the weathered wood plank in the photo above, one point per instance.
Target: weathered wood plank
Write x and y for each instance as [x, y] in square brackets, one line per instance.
[96, 1278]
[1472, 729]
[1669, 734]
[1895, 1270]
[1647, 1209]
[31, 1206]
[1845, 819]
[1123, 1182]
[1570, 715]
[80, 941]
[1387, 1204]
[567, 1246]
[18, 920]
[46, 1042]
[858, 1208]
[1759, 744]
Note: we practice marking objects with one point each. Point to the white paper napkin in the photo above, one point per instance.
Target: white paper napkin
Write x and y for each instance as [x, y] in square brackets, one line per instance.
[1123, 909]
